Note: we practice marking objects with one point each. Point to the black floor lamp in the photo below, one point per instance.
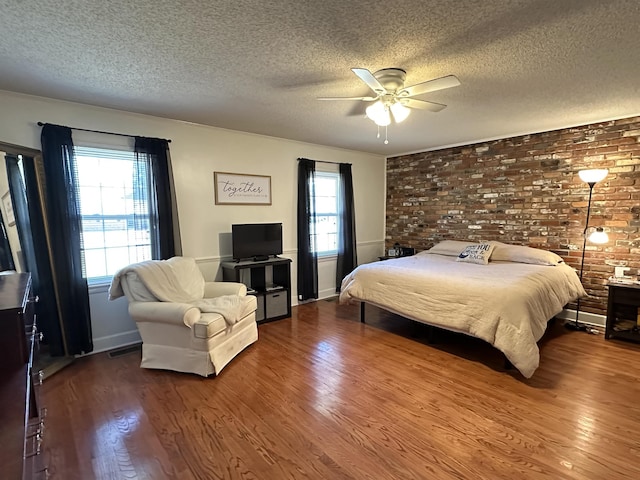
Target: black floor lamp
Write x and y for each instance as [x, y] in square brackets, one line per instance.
[598, 235]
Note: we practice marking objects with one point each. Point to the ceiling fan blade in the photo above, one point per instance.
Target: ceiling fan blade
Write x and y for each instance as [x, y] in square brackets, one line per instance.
[364, 99]
[421, 104]
[430, 86]
[367, 77]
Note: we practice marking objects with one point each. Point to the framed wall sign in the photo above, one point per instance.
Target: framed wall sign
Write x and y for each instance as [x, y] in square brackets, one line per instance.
[241, 189]
[8, 209]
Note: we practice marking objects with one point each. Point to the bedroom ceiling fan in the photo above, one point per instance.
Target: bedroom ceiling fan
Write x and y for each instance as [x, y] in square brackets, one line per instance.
[392, 99]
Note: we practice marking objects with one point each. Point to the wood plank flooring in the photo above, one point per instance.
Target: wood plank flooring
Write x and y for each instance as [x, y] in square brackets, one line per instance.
[322, 396]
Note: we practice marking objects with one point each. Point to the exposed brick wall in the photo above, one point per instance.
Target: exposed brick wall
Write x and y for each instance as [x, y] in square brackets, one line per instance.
[526, 190]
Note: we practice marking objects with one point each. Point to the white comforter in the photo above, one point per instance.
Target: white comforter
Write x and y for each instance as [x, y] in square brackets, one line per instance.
[506, 304]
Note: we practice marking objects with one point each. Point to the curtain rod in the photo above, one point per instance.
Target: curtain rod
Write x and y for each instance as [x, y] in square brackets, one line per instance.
[325, 161]
[41, 124]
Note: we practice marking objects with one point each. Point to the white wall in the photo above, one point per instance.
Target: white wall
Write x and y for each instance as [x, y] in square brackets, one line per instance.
[197, 151]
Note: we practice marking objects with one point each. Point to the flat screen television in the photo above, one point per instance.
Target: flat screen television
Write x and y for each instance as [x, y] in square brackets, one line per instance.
[256, 241]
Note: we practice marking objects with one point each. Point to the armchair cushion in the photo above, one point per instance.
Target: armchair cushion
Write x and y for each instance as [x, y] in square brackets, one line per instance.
[231, 307]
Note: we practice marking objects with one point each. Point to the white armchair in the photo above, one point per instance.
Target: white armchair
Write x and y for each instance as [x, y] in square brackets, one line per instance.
[186, 324]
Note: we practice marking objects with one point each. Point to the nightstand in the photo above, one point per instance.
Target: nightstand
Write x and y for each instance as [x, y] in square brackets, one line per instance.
[623, 312]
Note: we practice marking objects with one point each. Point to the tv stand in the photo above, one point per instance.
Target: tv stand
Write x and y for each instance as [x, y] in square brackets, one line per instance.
[269, 279]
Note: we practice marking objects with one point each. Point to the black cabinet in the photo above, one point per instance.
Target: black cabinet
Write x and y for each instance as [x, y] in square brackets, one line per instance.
[268, 280]
[623, 314]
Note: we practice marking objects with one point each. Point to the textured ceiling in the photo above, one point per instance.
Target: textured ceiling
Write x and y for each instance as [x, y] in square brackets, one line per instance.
[258, 65]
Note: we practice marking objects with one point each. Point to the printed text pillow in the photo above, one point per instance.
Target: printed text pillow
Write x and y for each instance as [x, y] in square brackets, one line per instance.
[478, 253]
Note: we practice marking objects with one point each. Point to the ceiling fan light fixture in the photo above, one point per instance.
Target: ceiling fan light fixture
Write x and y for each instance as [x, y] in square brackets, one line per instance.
[392, 99]
[379, 113]
[400, 112]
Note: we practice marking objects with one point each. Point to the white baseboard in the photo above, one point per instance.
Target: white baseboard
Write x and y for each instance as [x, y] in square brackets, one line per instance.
[329, 292]
[104, 344]
[584, 317]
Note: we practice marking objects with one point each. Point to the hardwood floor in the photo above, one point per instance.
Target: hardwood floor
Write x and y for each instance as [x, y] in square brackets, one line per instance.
[322, 396]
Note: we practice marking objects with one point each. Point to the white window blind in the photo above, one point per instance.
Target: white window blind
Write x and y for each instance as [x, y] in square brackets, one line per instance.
[114, 208]
[325, 230]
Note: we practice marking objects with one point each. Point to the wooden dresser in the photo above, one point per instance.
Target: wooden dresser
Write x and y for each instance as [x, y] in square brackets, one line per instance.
[21, 418]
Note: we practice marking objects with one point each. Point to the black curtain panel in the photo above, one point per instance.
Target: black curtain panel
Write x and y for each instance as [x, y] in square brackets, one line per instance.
[347, 259]
[63, 221]
[34, 253]
[154, 161]
[307, 257]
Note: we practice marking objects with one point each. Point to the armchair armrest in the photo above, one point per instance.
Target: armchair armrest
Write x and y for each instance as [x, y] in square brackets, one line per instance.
[217, 289]
[164, 312]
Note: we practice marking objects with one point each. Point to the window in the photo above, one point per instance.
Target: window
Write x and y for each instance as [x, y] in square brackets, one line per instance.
[114, 208]
[325, 230]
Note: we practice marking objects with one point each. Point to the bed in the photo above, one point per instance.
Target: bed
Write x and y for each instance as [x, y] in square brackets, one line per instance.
[505, 295]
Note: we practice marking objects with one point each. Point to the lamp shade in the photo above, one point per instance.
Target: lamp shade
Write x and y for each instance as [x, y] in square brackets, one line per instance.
[379, 114]
[593, 175]
[599, 236]
[400, 112]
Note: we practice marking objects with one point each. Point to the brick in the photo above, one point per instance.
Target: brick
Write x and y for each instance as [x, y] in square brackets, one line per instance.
[632, 133]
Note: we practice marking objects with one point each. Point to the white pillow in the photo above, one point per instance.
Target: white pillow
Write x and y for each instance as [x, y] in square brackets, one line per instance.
[521, 254]
[452, 248]
[478, 253]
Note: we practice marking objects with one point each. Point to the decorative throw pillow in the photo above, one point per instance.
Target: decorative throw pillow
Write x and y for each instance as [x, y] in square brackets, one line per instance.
[521, 254]
[478, 253]
[449, 247]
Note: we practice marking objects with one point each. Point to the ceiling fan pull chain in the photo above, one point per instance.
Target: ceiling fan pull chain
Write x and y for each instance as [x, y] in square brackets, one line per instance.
[386, 141]
[378, 136]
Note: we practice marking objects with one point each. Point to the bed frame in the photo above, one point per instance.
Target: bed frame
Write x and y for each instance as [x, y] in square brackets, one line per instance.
[431, 329]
